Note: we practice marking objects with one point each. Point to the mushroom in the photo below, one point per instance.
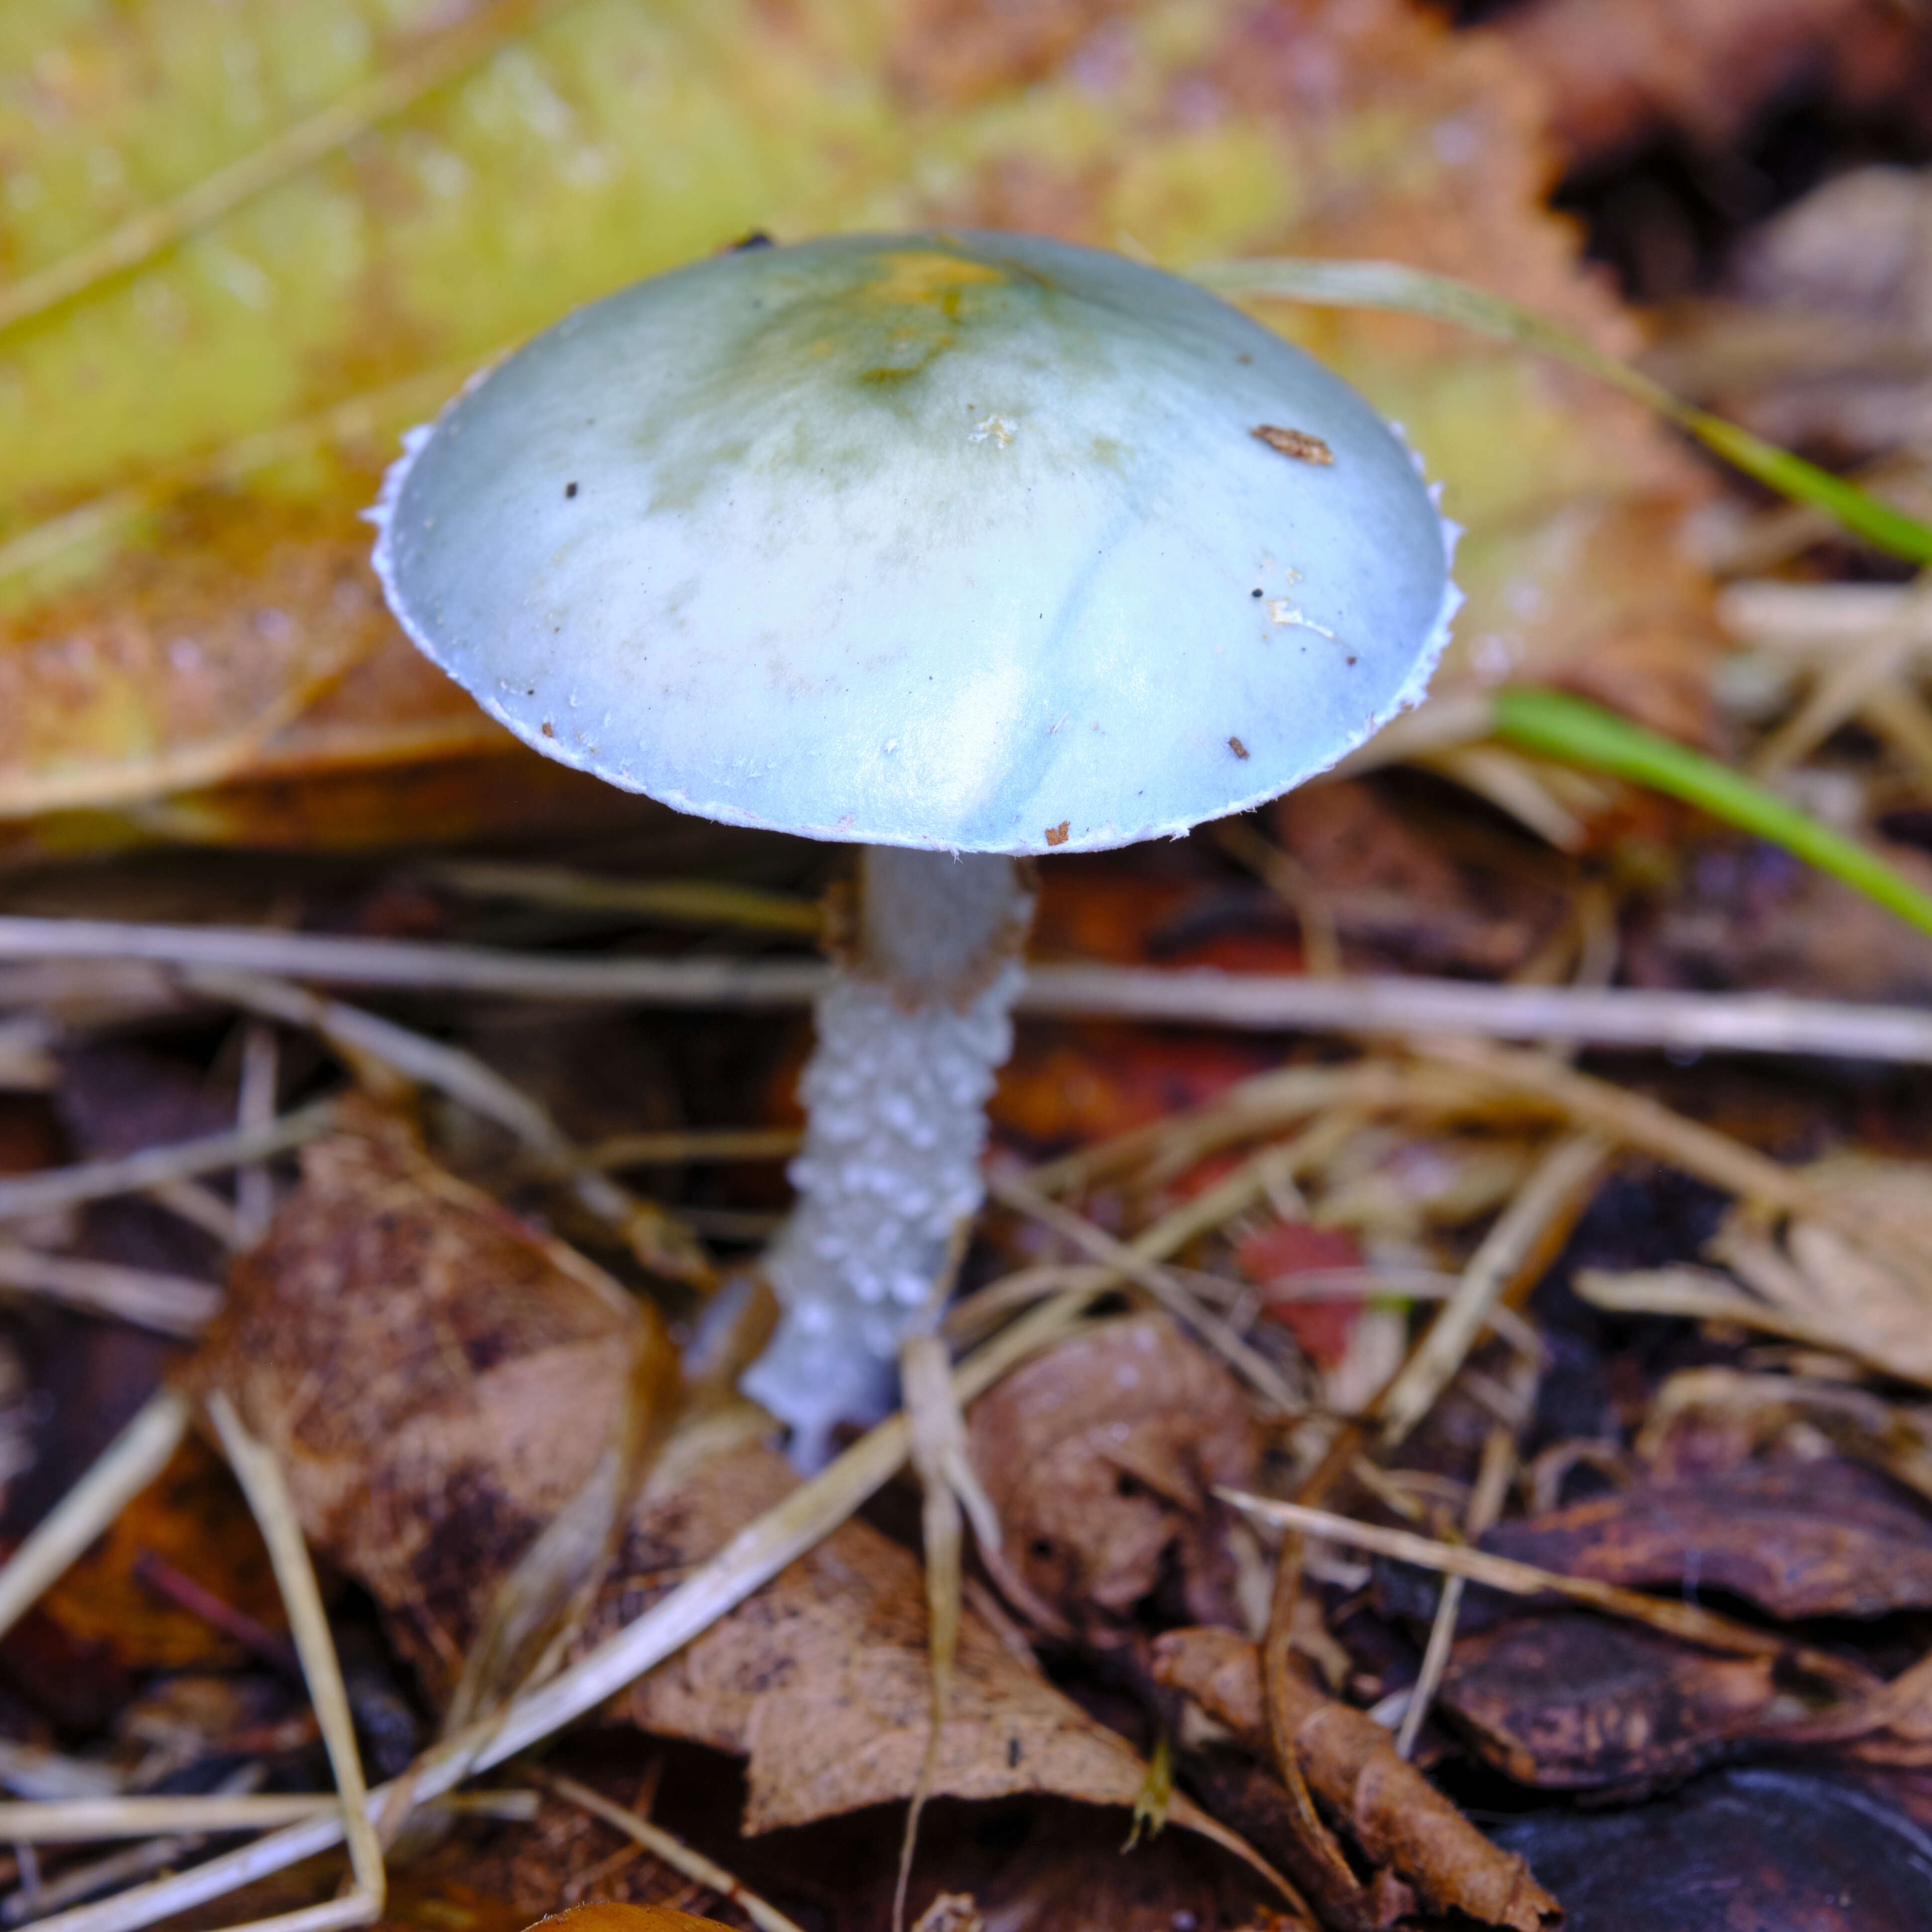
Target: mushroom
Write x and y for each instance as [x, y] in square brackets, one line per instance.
[964, 547]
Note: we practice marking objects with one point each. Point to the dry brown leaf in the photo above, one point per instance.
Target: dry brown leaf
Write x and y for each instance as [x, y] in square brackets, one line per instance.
[1401, 1823]
[1826, 1538]
[1571, 1700]
[1816, 1273]
[1100, 1458]
[822, 1682]
[437, 1379]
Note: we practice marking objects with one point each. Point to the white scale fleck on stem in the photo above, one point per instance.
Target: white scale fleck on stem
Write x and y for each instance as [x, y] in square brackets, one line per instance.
[910, 1036]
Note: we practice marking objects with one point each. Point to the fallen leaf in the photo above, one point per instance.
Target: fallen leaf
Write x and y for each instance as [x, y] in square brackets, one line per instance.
[1880, 1308]
[1736, 1849]
[1100, 1458]
[194, 1519]
[437, 1380]
[1273, 1256]
[821, 1681]
[1826, 1538]
[1400, 1822]
[185, 442]
[1572, 1701]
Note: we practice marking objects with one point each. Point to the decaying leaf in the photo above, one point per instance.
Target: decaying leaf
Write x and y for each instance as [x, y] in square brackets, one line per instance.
[1100, 1458]
[191, 1523]
[1399, 1821]
[184, 443]
[821, 1681]
[1883, 1311]
[1573, 1700]
[438, 1381]
[1823, 1538]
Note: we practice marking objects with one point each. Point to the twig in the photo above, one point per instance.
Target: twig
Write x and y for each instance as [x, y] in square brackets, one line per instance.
[1700, 1294]
[255, 1107]
[89, 1820]
[51, 1777]
[124, 1468]
[172, 1304]
[92, 1820]
[26, 1064]
[260, 1476]
[1486, 1504]
[1390, 1006]
[1564, 1181]
[679, 901]
[1823, 621]
[674, 1852]
[1254, 1367]
[1695, 1625]
[201, 1208]
[154, 1167]
[677, 1147]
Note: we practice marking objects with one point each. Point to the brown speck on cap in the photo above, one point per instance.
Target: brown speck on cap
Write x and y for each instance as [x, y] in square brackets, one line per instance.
[1295, 442]
[1239, 750]
[549, 729]
[1056, 834]
[570, 489]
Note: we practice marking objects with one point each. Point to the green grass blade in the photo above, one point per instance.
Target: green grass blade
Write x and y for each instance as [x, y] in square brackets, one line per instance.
[1389, 285]
[1559, 726]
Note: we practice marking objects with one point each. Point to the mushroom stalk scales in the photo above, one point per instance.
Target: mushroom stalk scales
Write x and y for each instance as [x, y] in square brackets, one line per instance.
[910, 1035]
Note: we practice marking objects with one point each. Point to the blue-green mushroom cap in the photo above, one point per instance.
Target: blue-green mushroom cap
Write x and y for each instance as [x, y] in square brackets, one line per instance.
[960, 540]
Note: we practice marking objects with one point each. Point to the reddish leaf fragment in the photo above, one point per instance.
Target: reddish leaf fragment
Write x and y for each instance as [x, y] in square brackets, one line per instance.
[1827, 1538]
[1573, 1701]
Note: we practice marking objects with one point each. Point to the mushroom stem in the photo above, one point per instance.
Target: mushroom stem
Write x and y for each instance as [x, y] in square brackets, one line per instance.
[911, 1033]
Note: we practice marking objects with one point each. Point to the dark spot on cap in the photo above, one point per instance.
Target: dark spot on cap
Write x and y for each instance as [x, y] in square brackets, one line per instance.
[757, 238]
[549, 731]
[1353, 659]
[1239, 750]
[570, 490]
[1295, 442]
[1013, 1752]
[1254, 593]
[1056, 834]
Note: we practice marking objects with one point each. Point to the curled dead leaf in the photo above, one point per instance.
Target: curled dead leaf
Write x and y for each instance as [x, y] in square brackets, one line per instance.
[1100, 1458]
[1400, 1822]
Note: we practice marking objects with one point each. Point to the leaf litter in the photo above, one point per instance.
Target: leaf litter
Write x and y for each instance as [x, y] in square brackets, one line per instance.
[486, 1427]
